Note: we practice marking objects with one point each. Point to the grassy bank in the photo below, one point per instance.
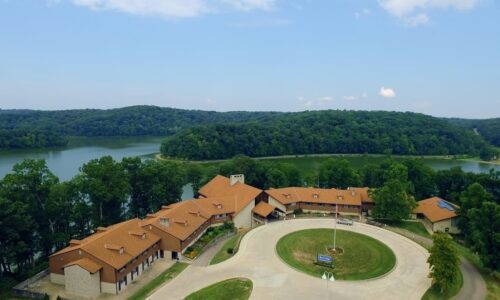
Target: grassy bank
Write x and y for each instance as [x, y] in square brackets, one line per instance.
[227, 251]
[363, 257]
[411, 226]
[435, 294]
[232, 289]
[164, 277]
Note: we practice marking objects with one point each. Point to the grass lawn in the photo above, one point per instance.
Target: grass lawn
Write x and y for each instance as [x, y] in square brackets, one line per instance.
[363, 257]
[167, 275]
[231, 289]
[434, 293]
[412, 226]
[223, 253]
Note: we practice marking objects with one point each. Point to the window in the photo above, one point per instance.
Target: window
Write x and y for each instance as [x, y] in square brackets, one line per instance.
[293, 204]
[346, 206]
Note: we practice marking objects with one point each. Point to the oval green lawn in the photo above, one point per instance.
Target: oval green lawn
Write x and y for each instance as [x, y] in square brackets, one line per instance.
[363, 258]
[236, 288]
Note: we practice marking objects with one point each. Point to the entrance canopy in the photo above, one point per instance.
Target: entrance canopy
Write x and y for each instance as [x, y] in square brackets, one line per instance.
[264, 209]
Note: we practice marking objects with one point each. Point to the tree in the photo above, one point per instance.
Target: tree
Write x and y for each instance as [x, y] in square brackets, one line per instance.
[335, 173]
[16, 235]
[471, 198]
[488, 153]
[421, 178]
[194, 176]
[444, 262]
[484, 228]
[253, 170]
[105, 183]
[30, 183]
[275, 178]
[392, 201]
[292, 173]
[153, 184]
[372, 175]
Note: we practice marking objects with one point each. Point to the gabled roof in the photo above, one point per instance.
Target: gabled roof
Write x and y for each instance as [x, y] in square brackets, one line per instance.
[436, 209]
[315, 195]
[115, 245]
[263, 209]
[183, 219]
[220, 186]
[85, 264]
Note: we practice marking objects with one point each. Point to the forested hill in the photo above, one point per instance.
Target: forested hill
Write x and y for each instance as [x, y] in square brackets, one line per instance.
[34, 129]
[489, 129]
[326, 132]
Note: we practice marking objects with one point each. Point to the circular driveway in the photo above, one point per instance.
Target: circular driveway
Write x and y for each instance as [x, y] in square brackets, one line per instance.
[273, 279]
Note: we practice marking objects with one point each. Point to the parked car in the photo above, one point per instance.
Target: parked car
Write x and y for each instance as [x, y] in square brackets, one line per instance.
[374, 223]
[345, 222]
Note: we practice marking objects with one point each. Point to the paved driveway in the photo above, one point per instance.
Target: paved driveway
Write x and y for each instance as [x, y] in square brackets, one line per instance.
[273, 279]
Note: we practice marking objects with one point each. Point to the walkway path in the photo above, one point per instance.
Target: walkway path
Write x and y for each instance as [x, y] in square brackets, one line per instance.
[273, 279]
[474, 287]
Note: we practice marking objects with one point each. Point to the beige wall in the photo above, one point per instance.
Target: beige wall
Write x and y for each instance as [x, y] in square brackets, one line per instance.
[109, 288]
[80, 282]
[244, 217]
[57, 278]
[277, 204]
[442, 225]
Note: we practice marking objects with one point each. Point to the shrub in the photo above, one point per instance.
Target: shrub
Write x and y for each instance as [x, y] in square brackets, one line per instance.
[297, 211]
[230, 250]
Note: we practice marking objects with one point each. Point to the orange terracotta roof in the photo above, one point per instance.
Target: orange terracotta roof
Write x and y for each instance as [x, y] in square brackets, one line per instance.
[433, 211]
[263, 209]
[179, 220]
[106, 244]
[363, 192]
[86, 264]
[315, 195]
[220, 186]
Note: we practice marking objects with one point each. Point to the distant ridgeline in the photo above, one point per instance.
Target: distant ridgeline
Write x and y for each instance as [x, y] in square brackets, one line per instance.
[38, 129]
[196, 134]
[326, 132]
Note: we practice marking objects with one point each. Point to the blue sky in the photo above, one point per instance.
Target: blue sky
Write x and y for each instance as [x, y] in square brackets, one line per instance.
[439, 57]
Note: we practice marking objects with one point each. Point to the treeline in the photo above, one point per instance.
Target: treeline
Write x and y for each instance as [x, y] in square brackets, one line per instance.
[128, 121]
[23, 139]
[325, 132]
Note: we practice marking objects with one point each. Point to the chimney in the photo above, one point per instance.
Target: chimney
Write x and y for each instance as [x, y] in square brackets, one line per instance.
[165, 222]
[233, 179]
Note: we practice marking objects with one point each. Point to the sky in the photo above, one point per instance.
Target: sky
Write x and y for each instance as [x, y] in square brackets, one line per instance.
[438, 57]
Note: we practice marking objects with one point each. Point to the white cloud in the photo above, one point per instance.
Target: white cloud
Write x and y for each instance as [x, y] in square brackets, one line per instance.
[251, 4]
[387, 92]
[413, 12]
[403, 8]
[173, 8]
[316, 103]
[416, 20]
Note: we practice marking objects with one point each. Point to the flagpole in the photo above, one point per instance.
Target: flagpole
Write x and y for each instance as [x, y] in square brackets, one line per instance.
[335, 230]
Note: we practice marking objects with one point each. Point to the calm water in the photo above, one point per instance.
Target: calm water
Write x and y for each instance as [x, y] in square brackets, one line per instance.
[65, 162]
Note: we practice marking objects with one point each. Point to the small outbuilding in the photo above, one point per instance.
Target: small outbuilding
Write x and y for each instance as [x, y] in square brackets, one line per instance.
[438, 215]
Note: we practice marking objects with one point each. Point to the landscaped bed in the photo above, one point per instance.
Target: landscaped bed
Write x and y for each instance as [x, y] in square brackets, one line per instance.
[210, 235]
[231, 289]
[361, 257]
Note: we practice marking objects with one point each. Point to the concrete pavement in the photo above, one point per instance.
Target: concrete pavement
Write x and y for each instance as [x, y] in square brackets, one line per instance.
[273, 279]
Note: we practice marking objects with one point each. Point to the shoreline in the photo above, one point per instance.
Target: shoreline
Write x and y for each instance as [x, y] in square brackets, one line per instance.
[158, 156]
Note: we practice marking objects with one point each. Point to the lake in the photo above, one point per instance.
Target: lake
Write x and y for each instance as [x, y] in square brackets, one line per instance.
[65, 162]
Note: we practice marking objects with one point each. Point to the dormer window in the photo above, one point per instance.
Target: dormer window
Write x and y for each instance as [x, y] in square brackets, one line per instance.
[165, 222]
[143, 237]
[121, 250]
[315, 196]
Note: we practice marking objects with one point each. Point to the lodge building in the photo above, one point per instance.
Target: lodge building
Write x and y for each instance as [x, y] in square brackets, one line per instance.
[113, 257]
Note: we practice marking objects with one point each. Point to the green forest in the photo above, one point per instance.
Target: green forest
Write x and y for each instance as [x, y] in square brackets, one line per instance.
[326, 132]
[197, 134]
